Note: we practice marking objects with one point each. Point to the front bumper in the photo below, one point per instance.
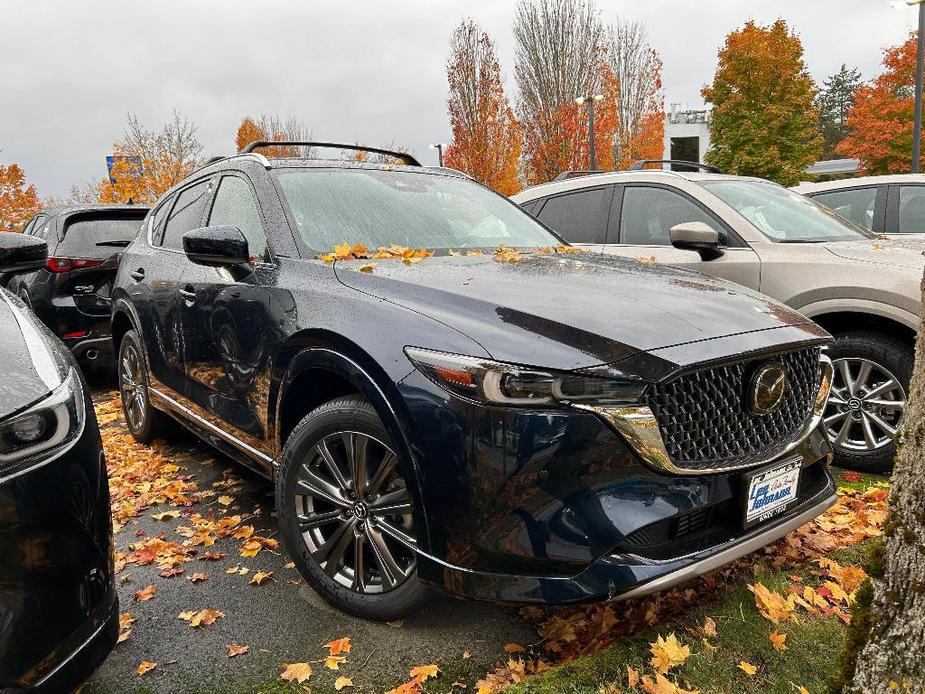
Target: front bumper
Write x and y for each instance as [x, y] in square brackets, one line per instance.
[557, 507]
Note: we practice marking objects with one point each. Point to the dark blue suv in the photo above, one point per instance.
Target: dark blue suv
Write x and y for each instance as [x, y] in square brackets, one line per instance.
[528, 424]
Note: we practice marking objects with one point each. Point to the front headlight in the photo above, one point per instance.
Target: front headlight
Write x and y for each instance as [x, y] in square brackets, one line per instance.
[47, 426]
[497, 383]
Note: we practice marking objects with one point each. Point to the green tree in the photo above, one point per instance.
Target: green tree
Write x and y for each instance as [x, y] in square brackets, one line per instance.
[764, 118]
[834, 102]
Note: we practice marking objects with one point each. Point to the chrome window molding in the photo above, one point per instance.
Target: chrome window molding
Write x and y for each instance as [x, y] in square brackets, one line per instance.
[639, 427]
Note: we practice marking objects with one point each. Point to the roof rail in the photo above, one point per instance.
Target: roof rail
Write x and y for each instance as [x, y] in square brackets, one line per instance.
[404, 156]
[643, 163]
[577, 173]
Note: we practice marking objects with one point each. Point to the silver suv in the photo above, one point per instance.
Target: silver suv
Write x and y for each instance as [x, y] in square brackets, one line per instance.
[893, 205]
[861, 288]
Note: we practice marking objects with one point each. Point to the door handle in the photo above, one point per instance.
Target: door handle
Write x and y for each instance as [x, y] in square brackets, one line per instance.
[138, 274]
[189, 296]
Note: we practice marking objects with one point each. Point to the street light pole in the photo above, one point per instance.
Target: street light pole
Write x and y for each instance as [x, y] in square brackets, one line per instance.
[919, 69]
[439, 147]
[590, 99]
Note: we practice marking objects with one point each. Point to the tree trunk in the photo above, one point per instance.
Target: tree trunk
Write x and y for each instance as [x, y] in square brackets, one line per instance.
[892, 660]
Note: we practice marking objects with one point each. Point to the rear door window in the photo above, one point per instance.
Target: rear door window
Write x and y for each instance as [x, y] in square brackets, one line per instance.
[99, 235]
[912, 209]
[579, 217]
[856, 204]
[186, 214]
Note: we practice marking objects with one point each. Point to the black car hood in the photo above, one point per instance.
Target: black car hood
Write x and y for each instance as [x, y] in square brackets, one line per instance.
[20, 383]
[569, 311]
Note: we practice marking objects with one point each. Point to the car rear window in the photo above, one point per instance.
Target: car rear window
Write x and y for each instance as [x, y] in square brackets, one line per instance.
[381, 208]
[99, 235]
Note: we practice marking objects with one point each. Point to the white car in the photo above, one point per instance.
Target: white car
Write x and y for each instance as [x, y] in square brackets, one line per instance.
[891, 205]
[861, 288]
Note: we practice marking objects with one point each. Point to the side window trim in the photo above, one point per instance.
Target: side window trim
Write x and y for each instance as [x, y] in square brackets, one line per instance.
[879, 223]
[616, 212]
[732, 239]
[175, 197]
[263, 222]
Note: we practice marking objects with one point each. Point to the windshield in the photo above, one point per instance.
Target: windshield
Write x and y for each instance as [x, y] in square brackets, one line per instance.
[381, 208]
[783, 215]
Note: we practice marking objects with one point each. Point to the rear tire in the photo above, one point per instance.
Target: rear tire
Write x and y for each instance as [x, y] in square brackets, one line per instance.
[144, 422]
[345, 512]
[859, 410]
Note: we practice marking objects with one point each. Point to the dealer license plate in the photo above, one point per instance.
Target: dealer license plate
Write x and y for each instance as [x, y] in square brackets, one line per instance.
[771, 491]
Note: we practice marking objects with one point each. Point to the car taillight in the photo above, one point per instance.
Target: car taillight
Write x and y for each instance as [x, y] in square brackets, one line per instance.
[68, 264]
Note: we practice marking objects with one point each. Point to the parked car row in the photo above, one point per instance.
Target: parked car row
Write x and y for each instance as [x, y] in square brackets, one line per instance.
[544, 426]
[862, 289]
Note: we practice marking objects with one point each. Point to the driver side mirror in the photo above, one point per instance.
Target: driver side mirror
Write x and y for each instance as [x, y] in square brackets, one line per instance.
[21, 253]
[218, 246]
[696, 236]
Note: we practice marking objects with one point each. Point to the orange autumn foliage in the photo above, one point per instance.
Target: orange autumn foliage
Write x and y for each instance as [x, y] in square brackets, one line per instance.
[486, 135]
[880, 124]
[18, 202]
[557, 140]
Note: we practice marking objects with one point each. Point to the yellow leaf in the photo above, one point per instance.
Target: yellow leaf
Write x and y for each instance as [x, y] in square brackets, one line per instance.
[368, 267]
[778, 640]
[225, 500]
[466, 655]
[342, 682]
[260, 578]
[205, 617]
[799, 688]
[342, 250]
[339, 646]
[709, 646]
[668, 653]
[771, 604]
[333, 662]
[186, 615]
[250, 548]
[126, 619]
[145, 593]
[424, 672]
[145, 666]
[747, 668]
[236, 649]
[166, 515]
[296, 672]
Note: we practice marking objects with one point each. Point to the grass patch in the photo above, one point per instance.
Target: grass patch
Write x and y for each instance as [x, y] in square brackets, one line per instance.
[814, 645]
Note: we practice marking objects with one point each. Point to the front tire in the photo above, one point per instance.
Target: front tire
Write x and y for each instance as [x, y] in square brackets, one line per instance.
[865, 408]
[345, 512]
[143, 421]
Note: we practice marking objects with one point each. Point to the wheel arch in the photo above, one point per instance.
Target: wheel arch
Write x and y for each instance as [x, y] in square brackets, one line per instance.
[841, 321]
[316, 366]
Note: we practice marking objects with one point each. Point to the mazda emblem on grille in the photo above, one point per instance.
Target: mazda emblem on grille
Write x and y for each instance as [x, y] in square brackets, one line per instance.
[769, 383]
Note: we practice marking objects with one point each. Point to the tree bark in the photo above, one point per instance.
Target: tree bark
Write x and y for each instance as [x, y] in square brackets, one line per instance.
[893, 658]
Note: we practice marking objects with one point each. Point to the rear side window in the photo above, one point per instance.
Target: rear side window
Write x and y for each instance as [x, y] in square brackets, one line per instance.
[856, 204]
[912, 210]
[580, 217]
[157, 219]
[98, 235]
[235, 206]
[648, 213]
[185, 215]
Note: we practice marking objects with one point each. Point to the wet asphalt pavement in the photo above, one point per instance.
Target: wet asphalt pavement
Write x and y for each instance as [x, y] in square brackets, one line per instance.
[283, 620]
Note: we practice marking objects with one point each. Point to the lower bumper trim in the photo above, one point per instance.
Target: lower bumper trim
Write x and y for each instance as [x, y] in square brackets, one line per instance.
[723, 557]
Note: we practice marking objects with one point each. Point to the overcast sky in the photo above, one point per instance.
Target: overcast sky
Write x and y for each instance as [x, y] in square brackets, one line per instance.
[354, 71]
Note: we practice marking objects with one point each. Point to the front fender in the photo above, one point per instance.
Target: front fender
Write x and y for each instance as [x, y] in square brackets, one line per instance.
[864, 306]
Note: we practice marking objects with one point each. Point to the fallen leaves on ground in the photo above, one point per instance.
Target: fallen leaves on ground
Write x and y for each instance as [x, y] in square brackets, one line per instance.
[145, 593]
[338, 646]
[234, 649]
[747, 668]
[203, 617]
[144, 666]
[342, 682]
[668, 653]
[260, 577]
[198, 577]
[778, 640]
[126, 620]
[296, 672]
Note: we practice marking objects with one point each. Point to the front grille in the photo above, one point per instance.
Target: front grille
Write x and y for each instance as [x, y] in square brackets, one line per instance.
[705, 419]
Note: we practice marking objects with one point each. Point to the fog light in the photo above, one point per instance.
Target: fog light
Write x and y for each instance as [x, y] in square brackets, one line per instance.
[29, 428]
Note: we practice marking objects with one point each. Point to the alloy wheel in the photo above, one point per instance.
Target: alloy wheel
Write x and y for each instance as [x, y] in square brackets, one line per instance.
[353, 511]
[865, 406]
[131, 385]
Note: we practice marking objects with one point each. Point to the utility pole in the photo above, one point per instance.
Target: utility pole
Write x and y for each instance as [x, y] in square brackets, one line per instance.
[590, 99]
[919, 65]
[439, 147]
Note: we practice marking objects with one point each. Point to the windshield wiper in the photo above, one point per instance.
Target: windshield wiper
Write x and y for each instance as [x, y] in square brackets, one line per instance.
[118, 243]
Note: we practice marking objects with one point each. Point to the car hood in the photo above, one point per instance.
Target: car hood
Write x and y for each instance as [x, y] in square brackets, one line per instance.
[569, 311]
[905, 253]
[21, 384]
